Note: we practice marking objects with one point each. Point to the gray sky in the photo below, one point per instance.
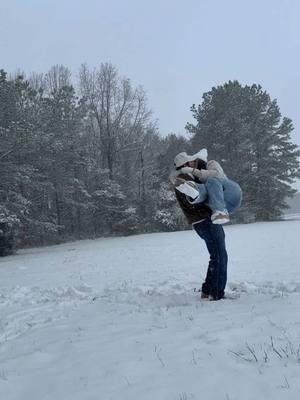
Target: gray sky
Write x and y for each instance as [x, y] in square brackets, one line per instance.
[175, 49]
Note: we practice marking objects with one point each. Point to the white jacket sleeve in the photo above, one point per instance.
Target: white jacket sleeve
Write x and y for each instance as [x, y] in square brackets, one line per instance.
[214, 169]
[189, 189]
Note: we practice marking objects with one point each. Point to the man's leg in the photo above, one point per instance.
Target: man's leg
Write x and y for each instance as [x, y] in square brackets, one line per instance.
[216, 276]
[223, 261]
[203, 230]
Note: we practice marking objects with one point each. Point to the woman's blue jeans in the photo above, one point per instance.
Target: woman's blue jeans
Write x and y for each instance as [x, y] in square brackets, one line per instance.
[219, 194]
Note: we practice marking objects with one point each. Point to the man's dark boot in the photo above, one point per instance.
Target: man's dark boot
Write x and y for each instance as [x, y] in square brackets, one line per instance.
[204, 295]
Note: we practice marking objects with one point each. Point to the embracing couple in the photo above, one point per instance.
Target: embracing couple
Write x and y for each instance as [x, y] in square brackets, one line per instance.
[207, 197]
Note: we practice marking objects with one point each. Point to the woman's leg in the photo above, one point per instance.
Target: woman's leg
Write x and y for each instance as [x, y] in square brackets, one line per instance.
[215, 193]
[223, 194]
[232, 195]
[220, 194]
[202, 193]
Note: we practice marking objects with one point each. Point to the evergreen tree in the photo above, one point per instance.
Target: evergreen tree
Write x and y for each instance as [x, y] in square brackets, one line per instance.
[62, 156]
[17, 174]
[242, 128]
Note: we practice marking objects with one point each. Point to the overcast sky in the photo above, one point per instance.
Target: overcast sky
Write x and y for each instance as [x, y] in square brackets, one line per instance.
[175, 49]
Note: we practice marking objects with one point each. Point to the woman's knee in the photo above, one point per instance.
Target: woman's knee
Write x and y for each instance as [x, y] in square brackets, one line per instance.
[212, 181]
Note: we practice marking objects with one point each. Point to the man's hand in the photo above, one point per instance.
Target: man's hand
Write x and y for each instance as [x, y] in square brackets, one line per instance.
[187, 170]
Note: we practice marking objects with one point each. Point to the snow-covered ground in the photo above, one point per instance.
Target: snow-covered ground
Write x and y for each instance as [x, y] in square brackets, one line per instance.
[118, 319]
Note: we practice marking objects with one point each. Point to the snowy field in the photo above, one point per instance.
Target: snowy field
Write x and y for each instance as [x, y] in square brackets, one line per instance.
[118, 319]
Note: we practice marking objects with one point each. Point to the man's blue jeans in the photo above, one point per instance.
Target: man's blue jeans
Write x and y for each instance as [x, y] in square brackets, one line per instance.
[216, 276]
[220, 194]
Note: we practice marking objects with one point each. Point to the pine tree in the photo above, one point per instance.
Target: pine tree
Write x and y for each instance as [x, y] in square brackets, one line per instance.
[242, 128]
[17, 116]
[62, 156]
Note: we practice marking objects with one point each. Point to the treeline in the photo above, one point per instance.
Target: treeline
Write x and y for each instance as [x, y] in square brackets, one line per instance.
[87, 160]
[81, 163]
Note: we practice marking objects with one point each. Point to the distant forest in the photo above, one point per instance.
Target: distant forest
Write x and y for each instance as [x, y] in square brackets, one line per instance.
[85, 159]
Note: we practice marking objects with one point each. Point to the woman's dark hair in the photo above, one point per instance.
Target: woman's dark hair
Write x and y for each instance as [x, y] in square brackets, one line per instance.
[201, 164]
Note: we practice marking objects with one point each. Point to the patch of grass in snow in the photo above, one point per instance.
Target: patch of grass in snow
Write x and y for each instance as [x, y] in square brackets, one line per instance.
[183, 396]
[186, 396]
[283, 349]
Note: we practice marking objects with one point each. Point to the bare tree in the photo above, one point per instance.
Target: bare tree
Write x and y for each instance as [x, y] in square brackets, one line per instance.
[57, 77]
[118, 112]
[37, 81]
